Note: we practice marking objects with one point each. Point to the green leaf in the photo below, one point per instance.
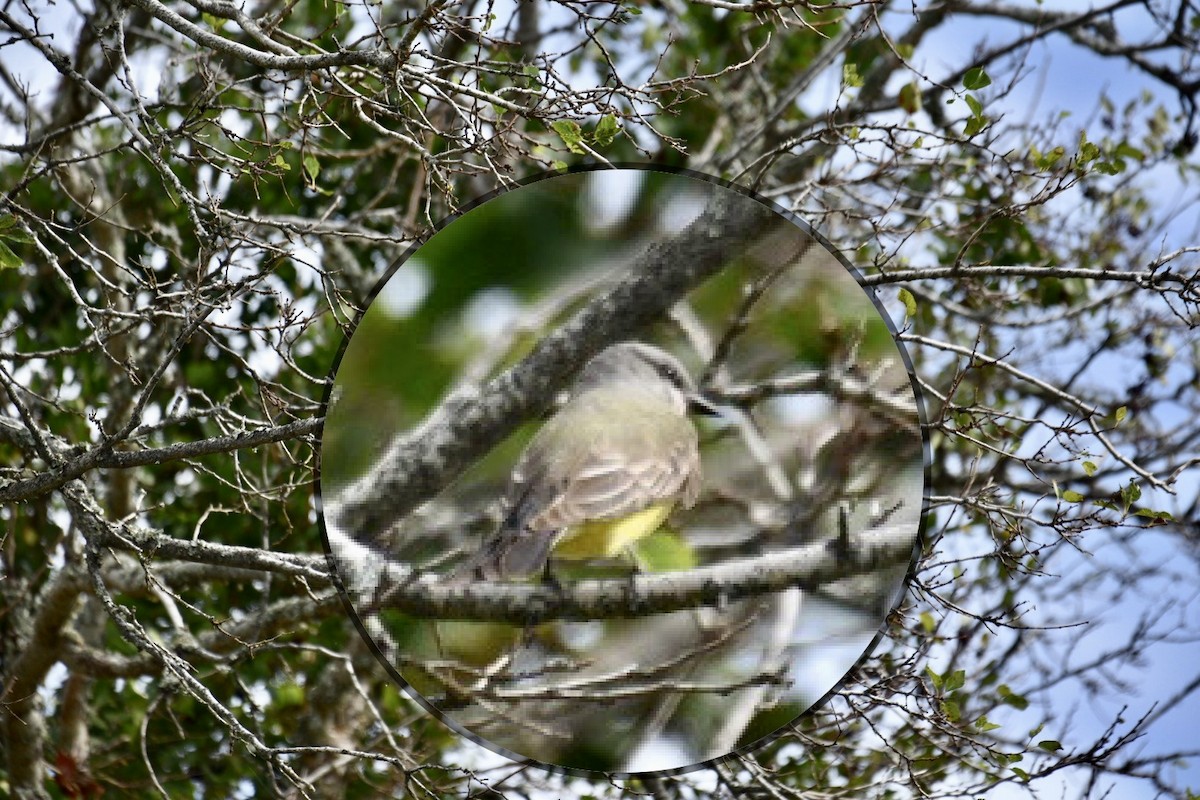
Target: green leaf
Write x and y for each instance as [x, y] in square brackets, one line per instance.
[1022, 774]
[955, 680]
[928, 623]
[10, 231]
[312, 167]
[910, 98]
[951, 710]
[1089, 468]
[1130, 494]
[984, 724]
[1012, 698]
[1050, 745]
[560, 166]
[8, 259]
[1126, 150]
[850, 75]
[1072, 497]
[606, 130]
[571, 135]
[1087, 151]
[910, 303]
[974, 104]
[974, 125]
[976, 78]
[934, 677]
[1048, 160]
[664, 551]
[280, 162]
[1121, 413]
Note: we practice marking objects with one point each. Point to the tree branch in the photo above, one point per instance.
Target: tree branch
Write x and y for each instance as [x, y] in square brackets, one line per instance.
[808, 567]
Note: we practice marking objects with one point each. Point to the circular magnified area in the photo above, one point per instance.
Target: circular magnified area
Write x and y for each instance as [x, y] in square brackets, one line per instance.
[622, 471]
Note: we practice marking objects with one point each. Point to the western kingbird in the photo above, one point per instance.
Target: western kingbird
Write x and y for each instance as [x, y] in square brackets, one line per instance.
[604, 471]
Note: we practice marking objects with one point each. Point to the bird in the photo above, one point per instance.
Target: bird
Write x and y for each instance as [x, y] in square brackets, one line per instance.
[605, 470]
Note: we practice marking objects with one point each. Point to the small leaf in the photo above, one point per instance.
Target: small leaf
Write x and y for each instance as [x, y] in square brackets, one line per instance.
[571, 135]
[974, 104]
[312, 166]
[1087, 150]
[1072, 497]
[1126, 150]
[1089, 468]
[974, 125]
[951, 710]
[1050, 745]
[664, 551]
[17, 235]
[976, 78]
[934, 677]
[1012, 698]
[850, 75]
[928, 623]
[280, 162]
[606, 130]
[1131, 493]
[910, 303]
[1121, 413]
[984, 724]
[1048, 160]
[955, 680]
[8, 259]
[910, 98]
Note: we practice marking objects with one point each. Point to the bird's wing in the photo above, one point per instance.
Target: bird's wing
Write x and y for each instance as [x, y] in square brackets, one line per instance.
[609, 484]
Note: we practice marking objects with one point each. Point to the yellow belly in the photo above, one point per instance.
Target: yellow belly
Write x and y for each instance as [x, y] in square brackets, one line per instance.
[605, 538]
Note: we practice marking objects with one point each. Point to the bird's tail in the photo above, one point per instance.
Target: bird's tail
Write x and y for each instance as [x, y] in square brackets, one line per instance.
[511, 553]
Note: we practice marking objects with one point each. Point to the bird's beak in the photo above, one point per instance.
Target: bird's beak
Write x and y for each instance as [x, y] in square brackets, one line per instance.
[699, 404]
